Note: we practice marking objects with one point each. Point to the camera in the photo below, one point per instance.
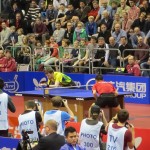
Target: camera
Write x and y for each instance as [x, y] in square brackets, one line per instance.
[127, 125]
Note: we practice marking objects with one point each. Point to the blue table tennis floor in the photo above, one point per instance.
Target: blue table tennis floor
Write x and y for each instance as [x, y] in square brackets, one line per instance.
[77, 93]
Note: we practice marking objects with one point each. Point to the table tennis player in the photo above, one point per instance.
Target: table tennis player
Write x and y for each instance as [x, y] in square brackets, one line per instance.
[56, 79]
[105, 94]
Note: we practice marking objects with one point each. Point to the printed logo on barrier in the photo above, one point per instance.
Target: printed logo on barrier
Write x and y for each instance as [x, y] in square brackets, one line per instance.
[138, 142]
[37, 84]
[90, 83]
[12, 86]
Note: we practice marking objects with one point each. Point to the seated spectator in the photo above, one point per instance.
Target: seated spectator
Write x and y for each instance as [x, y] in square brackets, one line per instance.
[124, 44]
[101, 56]
[20, 37]
[58, 34]
[106, 20]
[75, 3]
[133, 12]
[40, 30]
[91, 50]
[118, 33]
[140, 22]
[146, 65]
[43, 9]
[125, 24]
[31, 15]
[18, 22]
[30, 114]
[69, 14]
[114, 4]
[50, 58]
[59, 116]
[82, 57]
[31, 41]
[61, 12]
[2, 60]
[103, 7]
[83, 11]
[123, 8]
[104, 32]
[134, 37]
[91, 26]
[133, 67]
[113, 54]
[95, 9]
[71, 140]
[12, 39]
[94, 127]
[73, 56]
[12, 13]
[4, 34]
[52, 141]
[9, 63]
[38, 53]
[63, 53]
[57, 3]
[117, 20]
[75, 20]
[51, 15]
[145, 7]
[79, 33]
[147, 39]
[69, 32]
[147, 24]
[141, 56]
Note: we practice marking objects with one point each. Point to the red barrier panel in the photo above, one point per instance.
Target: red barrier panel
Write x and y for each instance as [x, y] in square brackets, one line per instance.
[13, 117]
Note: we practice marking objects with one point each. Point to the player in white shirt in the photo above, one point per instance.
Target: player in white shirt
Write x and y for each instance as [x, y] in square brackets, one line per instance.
[120, 136]
[89, 136]
[5, 103]
[30, 120]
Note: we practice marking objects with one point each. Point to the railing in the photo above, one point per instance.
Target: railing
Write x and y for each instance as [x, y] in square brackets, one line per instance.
[92, 59]
[65, 61]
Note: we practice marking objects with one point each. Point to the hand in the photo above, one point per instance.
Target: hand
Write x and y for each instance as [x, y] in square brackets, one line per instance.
[65, 102]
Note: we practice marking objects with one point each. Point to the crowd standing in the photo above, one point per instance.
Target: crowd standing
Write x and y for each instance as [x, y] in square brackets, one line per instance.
[77, 33]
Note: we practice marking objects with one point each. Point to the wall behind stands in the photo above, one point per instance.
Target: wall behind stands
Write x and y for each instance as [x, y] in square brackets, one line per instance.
[27, 81]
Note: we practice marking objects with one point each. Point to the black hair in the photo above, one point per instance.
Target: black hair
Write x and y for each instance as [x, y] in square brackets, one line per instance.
[1, 83]
[69, 130]
[99, 77]
[123, 115]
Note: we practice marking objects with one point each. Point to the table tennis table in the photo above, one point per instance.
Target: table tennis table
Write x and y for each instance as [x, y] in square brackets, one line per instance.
[79, 100]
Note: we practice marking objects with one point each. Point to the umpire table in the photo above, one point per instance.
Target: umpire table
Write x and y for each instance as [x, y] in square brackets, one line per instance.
[79, 100]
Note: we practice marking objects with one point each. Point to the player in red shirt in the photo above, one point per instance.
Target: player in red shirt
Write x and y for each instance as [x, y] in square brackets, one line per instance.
[105, 94]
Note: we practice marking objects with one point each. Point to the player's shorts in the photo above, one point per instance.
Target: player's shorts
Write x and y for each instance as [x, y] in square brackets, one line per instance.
[107, 99]
[71, 83]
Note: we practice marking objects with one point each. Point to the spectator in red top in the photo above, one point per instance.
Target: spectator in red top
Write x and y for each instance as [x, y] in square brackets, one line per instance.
[94, 11]
[119, 130]
[105, 94]
[2, 60]
[133, 67]
[9, 63]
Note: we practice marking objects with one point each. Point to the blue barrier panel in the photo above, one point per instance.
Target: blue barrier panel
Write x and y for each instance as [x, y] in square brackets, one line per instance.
[14, 81]
[9, 143]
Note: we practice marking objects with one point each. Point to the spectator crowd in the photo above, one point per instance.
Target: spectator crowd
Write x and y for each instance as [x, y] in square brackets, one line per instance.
[77, 33]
